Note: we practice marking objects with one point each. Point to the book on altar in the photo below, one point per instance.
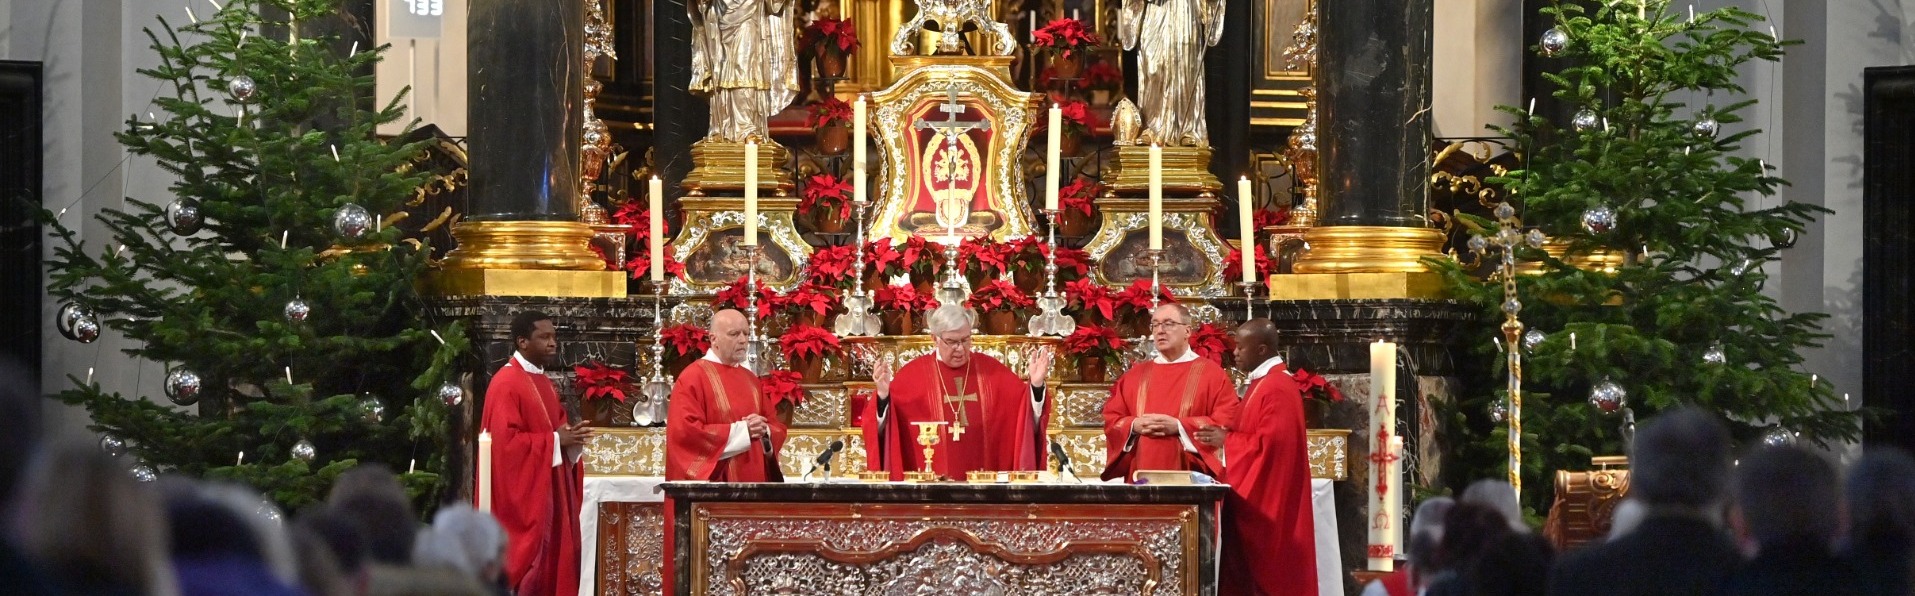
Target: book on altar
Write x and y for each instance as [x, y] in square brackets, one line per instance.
[1173, 477]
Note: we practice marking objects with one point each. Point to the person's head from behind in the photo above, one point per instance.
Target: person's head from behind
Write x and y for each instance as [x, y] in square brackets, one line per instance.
[1498, 495]
[1426, 534]
[465, 539]
[85, 518]
[535, 337]
[389, 525]
[1881, 499]
[1786, 494]
[1680, 460]
[1469, 530]
[342, 537]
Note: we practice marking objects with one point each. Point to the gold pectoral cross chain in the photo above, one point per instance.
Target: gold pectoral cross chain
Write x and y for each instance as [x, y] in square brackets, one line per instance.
[956, 402]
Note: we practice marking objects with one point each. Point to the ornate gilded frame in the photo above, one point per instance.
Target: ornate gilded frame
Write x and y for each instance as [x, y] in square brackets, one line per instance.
[979, 80]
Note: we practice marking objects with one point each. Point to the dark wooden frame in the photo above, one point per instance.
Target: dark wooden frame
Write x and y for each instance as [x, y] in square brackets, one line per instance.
[1888, 252]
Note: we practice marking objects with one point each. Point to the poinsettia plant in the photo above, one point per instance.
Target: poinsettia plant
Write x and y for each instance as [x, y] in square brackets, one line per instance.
[1102, 74]
[920, 257]
[1077, 121]
[1315, 386]
[640, 265]
[829, 111]
[1136, 298]
[1233, 263]
[1095, 341]
[982, 257]
[1024, 254]
[882, 257]
[735, 296]
[1270, 217]
[808, 341]
[783, 386]
[1211, 341]
[1072, 263]
[686, 338]
[997, 294]
[1086, 295]
[831, 36]
[826, 191]
[1064, 36]
[598, 381]
[831, 266]
[1077, 195]
[809, 297]
[903, 297]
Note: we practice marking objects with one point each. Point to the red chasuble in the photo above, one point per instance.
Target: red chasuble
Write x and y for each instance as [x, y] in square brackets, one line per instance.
[986, 408]
[536, 502]
[1269, 541]
[706, 400]
[1197, 392]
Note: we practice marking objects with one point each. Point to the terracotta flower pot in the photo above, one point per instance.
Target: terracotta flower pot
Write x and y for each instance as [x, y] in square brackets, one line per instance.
[805, 316]
[1086, 318]
[785, 409]
[1136, 323]
[1090, 370]
[1075, 224]
[874, 278]
[834, 139]
[675, 364]
[897, 322]
[810, 368]
[599, 412]
[830, 64]
[1028, 281]
[1069, 143]
[925, 283]
[1067, 66]
[1000, 322]
[827, 220]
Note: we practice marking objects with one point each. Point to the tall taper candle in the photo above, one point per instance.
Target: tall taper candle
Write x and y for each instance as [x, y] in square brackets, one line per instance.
[1052, 137]
[485, 472]
[1156, 197]
[1384, 486]
[657, 231]
[751, 193]
[858, 122]
[1246, 231]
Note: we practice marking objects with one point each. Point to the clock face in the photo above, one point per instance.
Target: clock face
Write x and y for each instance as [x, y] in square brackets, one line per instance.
[418, 19]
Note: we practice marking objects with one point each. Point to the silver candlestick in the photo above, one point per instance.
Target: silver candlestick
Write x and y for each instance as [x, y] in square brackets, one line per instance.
[1249, 299]
[1156, 287]
[657, 388]
[857, 319]
[1050, 319]
[955, 290]
[753, 349]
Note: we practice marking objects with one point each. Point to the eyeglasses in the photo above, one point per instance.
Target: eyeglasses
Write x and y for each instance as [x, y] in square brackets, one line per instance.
[966, 341]
[1160, 325]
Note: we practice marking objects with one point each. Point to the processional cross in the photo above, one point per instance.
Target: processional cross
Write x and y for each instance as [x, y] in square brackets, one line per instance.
[953, 203]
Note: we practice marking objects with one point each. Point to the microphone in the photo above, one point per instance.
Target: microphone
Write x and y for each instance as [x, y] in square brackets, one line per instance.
[1064, 464]
[824, 458]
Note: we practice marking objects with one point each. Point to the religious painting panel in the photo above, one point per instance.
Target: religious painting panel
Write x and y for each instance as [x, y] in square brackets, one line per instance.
[950, 136]
[1192, 252]
[711, 246]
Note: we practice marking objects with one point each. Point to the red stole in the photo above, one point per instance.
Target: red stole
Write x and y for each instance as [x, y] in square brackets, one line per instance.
[706, 400]
[999, 431]
[1269, 537]
[1198, 393]
[536, 502]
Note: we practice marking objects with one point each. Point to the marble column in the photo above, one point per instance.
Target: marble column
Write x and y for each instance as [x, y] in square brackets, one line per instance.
[1227, 75]
[1373, 89]
[526, 78]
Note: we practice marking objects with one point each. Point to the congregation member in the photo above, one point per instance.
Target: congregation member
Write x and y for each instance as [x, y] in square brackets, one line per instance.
[1787, 517]
[537, 484]
[1158, 405]
[1426, 533]
[1269, 538]
[1880, 542]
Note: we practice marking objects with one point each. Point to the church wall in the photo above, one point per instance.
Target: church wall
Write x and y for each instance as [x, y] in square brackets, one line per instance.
[436, 68]
[1476, 65]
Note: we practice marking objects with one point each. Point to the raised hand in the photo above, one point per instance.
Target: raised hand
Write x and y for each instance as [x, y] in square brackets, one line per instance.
[1040, 367]
[881, 376]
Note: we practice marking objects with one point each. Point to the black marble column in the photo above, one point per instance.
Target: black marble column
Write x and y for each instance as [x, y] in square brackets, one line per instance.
[1373, 90]
[1227, 75]
[678, 118]
[525, 77]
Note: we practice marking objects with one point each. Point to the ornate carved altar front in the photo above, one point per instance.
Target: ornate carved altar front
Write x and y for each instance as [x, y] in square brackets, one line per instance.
[944, 539]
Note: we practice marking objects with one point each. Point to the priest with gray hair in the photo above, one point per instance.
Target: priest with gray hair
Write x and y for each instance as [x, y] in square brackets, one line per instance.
[988, 418]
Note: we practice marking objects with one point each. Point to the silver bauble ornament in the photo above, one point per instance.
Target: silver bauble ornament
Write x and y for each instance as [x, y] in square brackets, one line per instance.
[1715, 355]
[143, 473]
[304, 451]
[296, 310]
[69, 315]
[1512, 306]
[1535, 238]
[451, 394]
[1607, 396]
[112, 445]
[86, 330]
[1599, 219]
[270, 513]
[1706, 127]
[1498, 411]
[1586, 120]
[1743, 267]
[372, 410]
[242, 88]
[1784, 240]
[183, 216]
[351, 221]
[1778, 437]
[1478, 244]
[1554, 42]
[183, 387]
[1534, 338]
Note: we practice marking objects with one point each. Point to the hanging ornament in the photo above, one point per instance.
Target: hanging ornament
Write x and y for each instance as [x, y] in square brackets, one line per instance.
[451, 394]
[304, 451]
[1478, 244]
[242, 88]
[143, 473]
[1608, 396]
[1533, 338]
[351, 221]
[1784, 240]
[296, 310]
[1498, 411]
[1535, 238]
[1586, 120]
[183, 387]
[1706, 127]
[183, 216]
[1599, 219]
[86, 329]
[69, 315]
[112, 445]
[372, 410]
[1554, 42]
[1715, 355]
[1743, 267]
[270, 513]
[1778, 437]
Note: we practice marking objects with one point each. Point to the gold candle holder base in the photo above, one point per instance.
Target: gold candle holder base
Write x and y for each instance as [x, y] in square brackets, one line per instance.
[1186, 171]
[1026, 477]
[920, 477]
[1369, 249]
[878, 476]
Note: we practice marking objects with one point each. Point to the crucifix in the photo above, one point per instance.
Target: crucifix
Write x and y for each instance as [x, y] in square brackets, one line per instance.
[957, 403]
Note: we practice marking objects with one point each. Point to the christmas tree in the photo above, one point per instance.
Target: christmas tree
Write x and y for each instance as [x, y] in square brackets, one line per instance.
[282, 303]
[1642, 287]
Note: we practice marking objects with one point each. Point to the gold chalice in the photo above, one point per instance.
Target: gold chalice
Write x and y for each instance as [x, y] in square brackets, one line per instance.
[928, 438]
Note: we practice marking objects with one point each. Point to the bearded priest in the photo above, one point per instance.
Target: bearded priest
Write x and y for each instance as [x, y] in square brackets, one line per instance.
[988, 418]
[718, 426]
[1158, 405]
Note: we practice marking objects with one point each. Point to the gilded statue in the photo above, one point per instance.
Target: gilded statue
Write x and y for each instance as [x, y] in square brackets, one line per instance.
[1169, 37]
[743, 57]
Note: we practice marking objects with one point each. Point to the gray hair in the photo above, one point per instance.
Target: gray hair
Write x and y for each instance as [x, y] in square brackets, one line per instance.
[460, 538]
[951, 317]
[1498, 495]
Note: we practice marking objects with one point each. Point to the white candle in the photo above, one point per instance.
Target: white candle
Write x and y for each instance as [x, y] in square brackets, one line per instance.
[1033, 20]
[1156, 197]
[412, 466]
[657, 231]
[241, 461]
[1384, 486]
[484, 489]
[858, 123]
[1246, 231]
[1394, 506]
[1052, 136]
[751, 193]
[1075, 15]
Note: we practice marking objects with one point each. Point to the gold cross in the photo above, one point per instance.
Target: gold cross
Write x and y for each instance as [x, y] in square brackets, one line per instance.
[957, 407]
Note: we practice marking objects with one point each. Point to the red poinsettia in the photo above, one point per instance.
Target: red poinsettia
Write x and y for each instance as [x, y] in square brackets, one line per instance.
[996, 295]
[831, 266]
[828, 35]
[1314, 385]
[783, 386]
[640, 265]
[920, 256]
[634, 213]
[1211, 341]
[1064, 36]
[882, 257]
[1077, 195]
[1101, 73]
[598, 381]
[1025, 254]
[1233, 263]
[809, 296]
[825, 191]
[734, 296]
[1076, 117]
[903, 297]
[982, 256]
[1137, 296]
[1071, 262]
[827, 112]
[1086, 295]
[1095, 341]
[1270, 217]
[807, 341]
[687, 338]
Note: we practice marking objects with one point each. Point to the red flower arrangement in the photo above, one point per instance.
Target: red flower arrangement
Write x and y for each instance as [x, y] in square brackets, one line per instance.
[687, 338]
[734, 296]
[827, 112]
[1095, 341]
[997, 294]
[983, 256]
[831, 266]
[1314, 385]
[828, 35]
[1233, 263]
[903, 297]
[920, 257]
[883, 258]
[1101, 73]
[598, 381]
[1024, 254]
[1078, 195]
[1137, 296]
[1211, 341]
[640, 265]
[1076, 117]
[807, 341]
[783, 386]
[825, 191]
[809, 296]
[1089, 296]
[1069, 260]
[1064, 36]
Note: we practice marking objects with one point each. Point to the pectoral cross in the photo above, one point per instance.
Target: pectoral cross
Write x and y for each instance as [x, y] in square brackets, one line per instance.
[957, 403]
